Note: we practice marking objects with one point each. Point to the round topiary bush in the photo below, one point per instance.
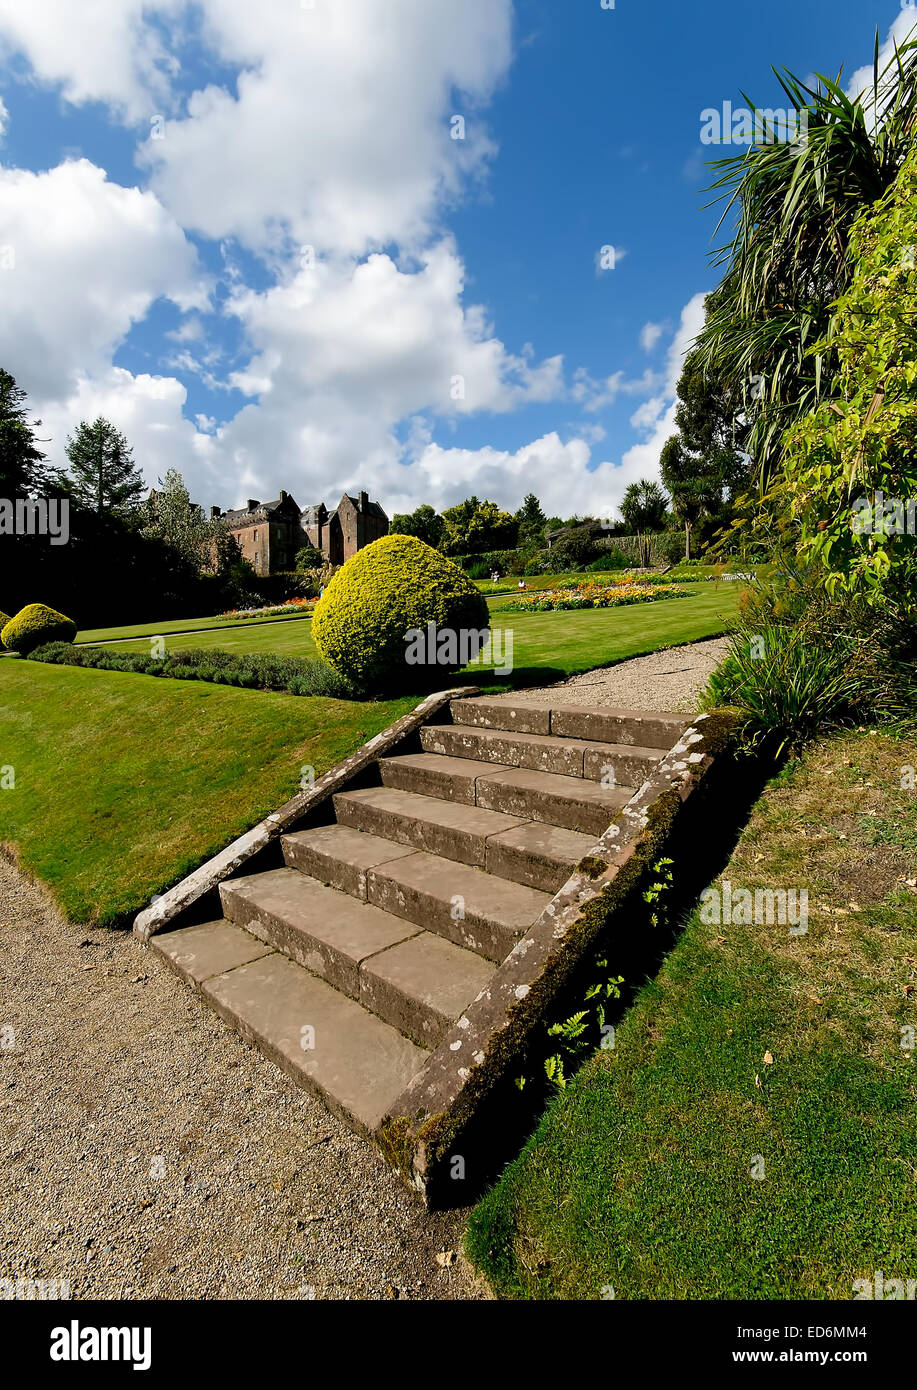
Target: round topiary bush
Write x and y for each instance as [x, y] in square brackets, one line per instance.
[4, 619]
[392, 588]
[35, 625]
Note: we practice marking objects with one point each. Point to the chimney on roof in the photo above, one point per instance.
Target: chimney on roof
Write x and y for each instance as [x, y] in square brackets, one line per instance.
[214, 513]
[283, 495]
[364, 501]
[252, 503]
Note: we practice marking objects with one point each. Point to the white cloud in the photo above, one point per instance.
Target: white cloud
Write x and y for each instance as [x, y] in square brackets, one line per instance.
[655, 418]
[650, 334]
[862, 79]
[4, 120]
[336, 132]
[90, 259]
[98, 50]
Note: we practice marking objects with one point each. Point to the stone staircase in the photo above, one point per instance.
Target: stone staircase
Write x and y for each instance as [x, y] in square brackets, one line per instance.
[351, 961]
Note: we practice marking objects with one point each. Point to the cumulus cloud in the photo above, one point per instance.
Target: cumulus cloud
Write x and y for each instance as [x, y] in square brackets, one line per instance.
[98, 50]
[327, 151]
[90, 257]
[902, 25]
[650, 334]
[655, 418]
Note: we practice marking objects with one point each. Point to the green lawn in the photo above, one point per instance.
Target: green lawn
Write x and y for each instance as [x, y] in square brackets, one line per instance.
[546, 646]
[753, 1134]
[125, 783]
[111, 634]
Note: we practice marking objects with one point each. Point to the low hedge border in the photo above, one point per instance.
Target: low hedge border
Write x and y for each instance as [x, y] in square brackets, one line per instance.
[290, 674]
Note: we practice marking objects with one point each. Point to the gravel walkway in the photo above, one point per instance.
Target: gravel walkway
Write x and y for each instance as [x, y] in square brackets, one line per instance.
[148, 1152]
[665, 680]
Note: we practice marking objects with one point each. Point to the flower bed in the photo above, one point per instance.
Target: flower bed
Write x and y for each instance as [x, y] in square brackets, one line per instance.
[291, 607]
[594, 596]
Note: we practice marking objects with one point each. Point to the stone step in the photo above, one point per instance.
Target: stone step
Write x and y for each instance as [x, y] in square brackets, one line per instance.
[430, 774]
[413, 980]
[469, 906]
[340, 856]
[452, 830]
[466, 905]
[569, 757]
[358, 1064]
[540, 856]
[646, 729]
[571, 802]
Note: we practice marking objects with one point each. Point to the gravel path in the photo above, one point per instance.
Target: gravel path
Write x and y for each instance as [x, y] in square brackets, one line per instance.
[665, 680]
[148, 1152]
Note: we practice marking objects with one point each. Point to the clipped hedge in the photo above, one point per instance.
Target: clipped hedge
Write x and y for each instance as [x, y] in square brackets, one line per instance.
[291, 674]
[388, 588]
[35, 625]
[4, 619]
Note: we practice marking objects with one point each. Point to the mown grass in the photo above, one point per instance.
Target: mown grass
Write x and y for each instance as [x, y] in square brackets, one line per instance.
[181, 625]
[124, 783]
[555, 644]
[640, 1176]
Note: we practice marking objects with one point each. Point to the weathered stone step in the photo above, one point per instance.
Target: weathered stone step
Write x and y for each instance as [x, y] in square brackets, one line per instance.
[410, 978]
[476, 909]
[466, 905]
[541, 856]
[646, 729]
[340, 856]
[431, 774]
[358, 1064]
[450, 829]
[571, 802]
[569, 757]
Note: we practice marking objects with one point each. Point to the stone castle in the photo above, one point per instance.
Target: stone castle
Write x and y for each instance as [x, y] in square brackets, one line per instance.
[270, 534]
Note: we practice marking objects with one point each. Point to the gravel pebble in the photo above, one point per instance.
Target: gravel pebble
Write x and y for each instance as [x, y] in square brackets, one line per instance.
[148, 1152]
[670, 679]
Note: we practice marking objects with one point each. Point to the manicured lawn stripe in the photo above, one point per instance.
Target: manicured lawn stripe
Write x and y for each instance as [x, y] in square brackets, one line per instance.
[125, 783]
[562, 644]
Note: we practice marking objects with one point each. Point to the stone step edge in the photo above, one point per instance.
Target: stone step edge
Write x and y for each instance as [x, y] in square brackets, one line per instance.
[382, 881]
[169, 907]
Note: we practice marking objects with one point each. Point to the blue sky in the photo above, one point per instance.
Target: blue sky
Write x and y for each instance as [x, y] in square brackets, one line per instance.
[307, 283]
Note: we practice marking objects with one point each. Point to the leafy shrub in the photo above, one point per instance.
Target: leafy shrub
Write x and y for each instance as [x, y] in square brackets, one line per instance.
[612, 559]
[799, 662]
[4, 619]
[575, 550]
[396, 584]
[35, 625]
[294, 675]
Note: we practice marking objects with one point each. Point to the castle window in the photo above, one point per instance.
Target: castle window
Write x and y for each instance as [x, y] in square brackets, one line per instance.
[256, 534]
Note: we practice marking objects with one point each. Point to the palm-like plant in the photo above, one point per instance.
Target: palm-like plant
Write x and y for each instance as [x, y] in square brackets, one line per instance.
[786, 263]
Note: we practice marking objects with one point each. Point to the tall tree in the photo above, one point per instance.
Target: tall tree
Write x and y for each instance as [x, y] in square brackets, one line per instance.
[423, 523]
[644, 508]
[701, 468]
[532, 521]
[473, 527]
[21, 471]
[101, 474]
[172, 517]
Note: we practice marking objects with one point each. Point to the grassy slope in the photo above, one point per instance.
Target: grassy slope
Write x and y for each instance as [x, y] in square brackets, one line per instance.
[124, 783]
[639, 1176]
[111, 634]
[560, 643]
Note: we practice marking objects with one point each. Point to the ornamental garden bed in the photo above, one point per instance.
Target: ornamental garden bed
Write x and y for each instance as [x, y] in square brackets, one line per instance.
[596, 596]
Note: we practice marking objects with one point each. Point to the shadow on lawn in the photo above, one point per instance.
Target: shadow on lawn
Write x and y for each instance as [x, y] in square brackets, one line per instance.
[700, 846]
